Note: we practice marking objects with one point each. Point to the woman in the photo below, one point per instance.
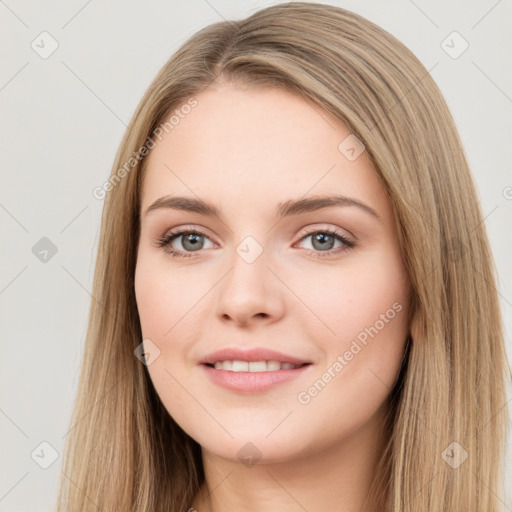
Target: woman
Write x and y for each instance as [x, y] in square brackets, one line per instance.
[295, 303]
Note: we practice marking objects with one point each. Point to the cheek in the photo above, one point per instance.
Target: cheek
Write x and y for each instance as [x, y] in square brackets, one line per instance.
[165, 296]
[368, 290]
[364, 312]
[368, 312]
[163, 303]
[150, 300]
[170, 305]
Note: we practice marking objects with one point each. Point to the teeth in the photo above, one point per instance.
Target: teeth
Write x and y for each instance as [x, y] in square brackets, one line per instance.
[257, 366]
[240, 366]
[254, 366]
[273, 365]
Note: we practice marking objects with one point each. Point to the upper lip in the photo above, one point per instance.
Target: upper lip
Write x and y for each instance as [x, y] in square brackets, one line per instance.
[252, 354]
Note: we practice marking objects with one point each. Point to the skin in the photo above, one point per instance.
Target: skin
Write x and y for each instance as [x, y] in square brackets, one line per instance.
[245, 150]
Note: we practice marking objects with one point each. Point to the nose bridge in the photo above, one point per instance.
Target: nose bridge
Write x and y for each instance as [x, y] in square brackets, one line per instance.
[249, 273]
[249, 288]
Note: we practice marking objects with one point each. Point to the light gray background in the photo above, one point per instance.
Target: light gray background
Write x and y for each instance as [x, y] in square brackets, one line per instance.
[62, 120]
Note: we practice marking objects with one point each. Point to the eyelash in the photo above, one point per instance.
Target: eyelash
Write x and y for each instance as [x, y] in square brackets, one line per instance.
[165, 241]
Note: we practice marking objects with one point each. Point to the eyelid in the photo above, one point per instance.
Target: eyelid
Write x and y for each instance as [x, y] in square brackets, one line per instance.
[311, 229]
[186, 228]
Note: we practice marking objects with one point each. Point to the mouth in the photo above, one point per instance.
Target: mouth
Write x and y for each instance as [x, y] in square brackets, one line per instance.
[252, 370]
[253, 377]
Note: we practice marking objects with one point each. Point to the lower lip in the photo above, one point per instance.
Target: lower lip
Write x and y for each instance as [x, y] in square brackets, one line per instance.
[252, 382]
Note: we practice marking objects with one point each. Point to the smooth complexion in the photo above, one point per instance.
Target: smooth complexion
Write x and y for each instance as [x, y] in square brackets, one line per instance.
[245, 151]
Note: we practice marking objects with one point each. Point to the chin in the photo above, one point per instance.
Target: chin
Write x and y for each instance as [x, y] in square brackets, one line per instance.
[251, 446]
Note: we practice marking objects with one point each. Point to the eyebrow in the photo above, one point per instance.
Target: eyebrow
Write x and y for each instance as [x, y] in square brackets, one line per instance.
[284, 209]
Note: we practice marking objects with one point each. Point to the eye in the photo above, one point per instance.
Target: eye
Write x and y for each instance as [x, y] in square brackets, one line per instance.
[190, 240]
[323, 241]
[193, 240]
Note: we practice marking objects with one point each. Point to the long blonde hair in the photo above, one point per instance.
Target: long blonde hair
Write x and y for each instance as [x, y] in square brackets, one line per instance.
[125, 453]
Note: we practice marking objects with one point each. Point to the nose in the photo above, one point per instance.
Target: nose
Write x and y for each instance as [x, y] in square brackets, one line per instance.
[250, 293]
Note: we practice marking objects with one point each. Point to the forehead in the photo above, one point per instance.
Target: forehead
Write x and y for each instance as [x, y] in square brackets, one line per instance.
[251, 146]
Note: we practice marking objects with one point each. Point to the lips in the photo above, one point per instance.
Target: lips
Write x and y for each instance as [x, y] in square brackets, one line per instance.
[242, 370]
[255, 382]
[251, 355]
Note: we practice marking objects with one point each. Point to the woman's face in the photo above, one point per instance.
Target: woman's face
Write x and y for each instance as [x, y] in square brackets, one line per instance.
[270, 272]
